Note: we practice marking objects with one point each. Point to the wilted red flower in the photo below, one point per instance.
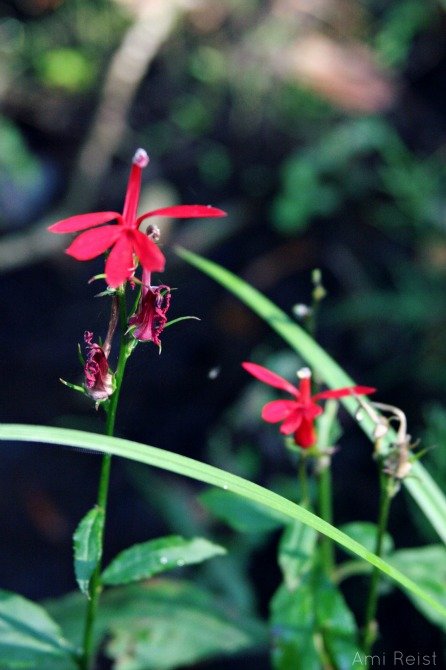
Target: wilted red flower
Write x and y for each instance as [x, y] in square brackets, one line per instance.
[150, 317]
[298, 415]
[124, 239]
[99, 381]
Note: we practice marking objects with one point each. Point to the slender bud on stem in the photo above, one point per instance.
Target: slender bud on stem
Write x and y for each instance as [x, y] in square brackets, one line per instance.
[114, 318]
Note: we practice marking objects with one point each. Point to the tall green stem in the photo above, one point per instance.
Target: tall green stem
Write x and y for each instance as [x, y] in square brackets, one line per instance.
[104, 479]
[325, 494]
[369, 633]
[326, 513]
[302, 475]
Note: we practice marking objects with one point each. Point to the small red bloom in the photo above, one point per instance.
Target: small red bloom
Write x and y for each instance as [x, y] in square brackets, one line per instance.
[298, 415]
[99, 381]
[124, 239]
[150, 317]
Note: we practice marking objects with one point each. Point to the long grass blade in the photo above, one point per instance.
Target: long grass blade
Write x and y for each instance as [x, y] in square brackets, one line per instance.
[208, 474]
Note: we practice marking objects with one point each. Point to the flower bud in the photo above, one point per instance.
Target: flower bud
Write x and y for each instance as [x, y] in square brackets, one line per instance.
[99, 380]
[150, 317]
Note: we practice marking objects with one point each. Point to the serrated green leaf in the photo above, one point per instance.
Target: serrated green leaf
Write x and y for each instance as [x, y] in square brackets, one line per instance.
[160, 606]
[364, 532]
[241, 514]
[87, 540]
[209, 474]
[426, 566]
[144, 560]
[29, 638]
[426, 493]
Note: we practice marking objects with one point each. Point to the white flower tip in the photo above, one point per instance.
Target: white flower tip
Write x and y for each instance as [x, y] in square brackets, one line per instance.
[141, 159]
[304, 373]
[301, 311]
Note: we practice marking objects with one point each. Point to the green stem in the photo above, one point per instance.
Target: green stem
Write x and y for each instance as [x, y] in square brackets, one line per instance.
[326, 513]
[104, 480]
[325, 493]
[303, 481]
[369, 632]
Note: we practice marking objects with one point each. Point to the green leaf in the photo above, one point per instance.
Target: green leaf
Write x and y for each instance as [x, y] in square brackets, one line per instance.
[29, 638]
[150, 558]
[208, 474]
[180, 626]
[336, 623]
[420, 485]
[87, 541]
[309, 614]
[364, 532]
[427, 567]
[240, 514]
[296, 553]
[312, 625]
[293, 621]
[161, 624]
[177, 640]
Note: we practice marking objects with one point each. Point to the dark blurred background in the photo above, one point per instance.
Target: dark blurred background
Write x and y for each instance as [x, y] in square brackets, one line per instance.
[320, 127]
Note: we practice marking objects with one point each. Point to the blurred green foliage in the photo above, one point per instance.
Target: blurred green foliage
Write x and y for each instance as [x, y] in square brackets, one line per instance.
[66, 68]
[68, 47]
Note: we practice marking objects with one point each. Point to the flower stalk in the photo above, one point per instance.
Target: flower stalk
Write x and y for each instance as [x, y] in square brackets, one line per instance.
[128, 249]
[118, 309]
[370, 627]
[302, 476]
[326, 513]
[323, 471]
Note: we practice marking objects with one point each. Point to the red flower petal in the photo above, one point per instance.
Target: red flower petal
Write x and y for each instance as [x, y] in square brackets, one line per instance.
[93, 243]
[305, 435]
[184, 212]
[268, 377]
[150, 256]
[278, 410]
[341, 393]
[83, 221]
[119, 266]
[132, 196]
[291, 423]
[311, 410]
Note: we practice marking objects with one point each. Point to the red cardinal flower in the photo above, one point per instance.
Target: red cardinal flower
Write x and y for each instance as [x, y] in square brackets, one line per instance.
[99, 381]
[150, 317]
[298, 415]
[124, 239]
